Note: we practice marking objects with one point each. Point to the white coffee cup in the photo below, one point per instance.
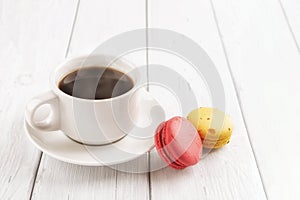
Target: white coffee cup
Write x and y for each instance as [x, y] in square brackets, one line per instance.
[92, 122]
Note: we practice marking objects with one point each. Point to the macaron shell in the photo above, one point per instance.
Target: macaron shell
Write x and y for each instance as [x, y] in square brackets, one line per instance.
[212, 125]
[182, 142]
[159, 146]
[178, 143]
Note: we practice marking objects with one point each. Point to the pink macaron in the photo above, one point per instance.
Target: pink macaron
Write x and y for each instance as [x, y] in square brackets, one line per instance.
[178, 143]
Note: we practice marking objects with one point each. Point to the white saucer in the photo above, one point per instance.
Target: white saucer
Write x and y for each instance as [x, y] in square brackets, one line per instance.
[57, 145]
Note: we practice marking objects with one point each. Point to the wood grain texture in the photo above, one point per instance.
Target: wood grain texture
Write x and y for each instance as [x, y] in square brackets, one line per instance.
[228, 173]
[61, 180]
[96, 22]
[130, 184]
[262, 48]
[33, 40]
[265, 63]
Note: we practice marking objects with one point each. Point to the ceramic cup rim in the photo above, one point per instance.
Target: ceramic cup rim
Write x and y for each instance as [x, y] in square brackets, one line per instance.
[55, 77]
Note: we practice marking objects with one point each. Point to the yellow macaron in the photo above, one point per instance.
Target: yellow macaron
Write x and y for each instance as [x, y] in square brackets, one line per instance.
[213, 125]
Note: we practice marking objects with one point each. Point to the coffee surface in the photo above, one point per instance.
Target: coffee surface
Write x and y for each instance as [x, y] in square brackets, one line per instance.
[96, 83]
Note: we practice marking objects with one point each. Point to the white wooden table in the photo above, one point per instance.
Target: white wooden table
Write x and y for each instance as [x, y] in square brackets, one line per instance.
[255, 46]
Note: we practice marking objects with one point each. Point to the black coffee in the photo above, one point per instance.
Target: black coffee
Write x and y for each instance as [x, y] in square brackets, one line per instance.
[96, 83]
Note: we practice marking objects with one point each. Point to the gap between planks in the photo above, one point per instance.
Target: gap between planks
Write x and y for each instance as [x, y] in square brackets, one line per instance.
[147, 64]
[289, 25]
[66, 54]
[236, 92]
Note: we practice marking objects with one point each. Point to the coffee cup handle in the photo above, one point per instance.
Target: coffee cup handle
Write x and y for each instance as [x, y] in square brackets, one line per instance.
[148, 109]
[52, 121]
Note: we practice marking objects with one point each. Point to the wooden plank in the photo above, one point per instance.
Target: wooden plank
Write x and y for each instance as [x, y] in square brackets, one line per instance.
[34, 38]
[228, 173]
[67, 181]
[290, 10]
[132, 179]
[265, 64]
[97, 21]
